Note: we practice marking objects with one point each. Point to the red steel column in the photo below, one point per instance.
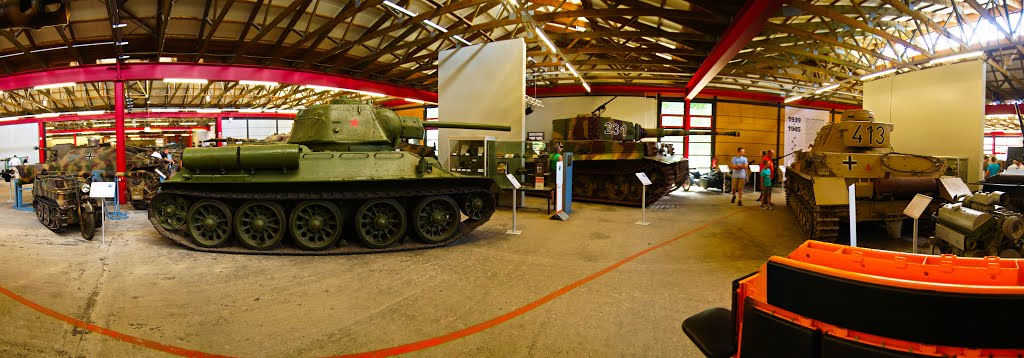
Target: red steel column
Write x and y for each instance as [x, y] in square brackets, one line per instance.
[122, 165]
[686, 126]
[74, 137]
[42, 140]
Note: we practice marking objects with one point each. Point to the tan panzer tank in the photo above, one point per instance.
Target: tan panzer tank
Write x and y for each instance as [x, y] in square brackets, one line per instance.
[857, 151]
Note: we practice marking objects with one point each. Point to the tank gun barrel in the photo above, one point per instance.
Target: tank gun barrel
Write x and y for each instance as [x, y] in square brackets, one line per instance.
[659, 132]
[467, 125]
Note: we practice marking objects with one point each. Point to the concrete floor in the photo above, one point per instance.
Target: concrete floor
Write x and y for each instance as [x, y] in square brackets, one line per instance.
[143, 285]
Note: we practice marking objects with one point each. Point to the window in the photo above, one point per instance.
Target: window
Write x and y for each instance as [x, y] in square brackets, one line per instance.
[998, 142]
[431, 133]
[698, 148]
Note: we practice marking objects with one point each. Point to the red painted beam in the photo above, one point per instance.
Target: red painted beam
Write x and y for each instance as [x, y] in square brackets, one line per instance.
[1002, 109]
[150, 115]
[211, 72]
[708, 93]
[127, 129]
[743, 28]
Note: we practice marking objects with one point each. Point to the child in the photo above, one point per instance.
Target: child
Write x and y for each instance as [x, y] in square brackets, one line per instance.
[766, 188]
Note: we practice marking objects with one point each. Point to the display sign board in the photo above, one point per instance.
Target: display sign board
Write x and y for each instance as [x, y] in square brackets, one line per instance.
[512, 179]
[801, 126]
[103, 189]
[917, 206]
[643, 179]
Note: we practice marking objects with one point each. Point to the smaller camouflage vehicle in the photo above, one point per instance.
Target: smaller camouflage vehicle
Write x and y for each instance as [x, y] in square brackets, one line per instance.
[62, 199]
[143, 170]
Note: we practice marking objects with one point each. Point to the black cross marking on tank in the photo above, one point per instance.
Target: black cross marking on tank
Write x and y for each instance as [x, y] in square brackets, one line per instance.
[88, 156]
[849, 162]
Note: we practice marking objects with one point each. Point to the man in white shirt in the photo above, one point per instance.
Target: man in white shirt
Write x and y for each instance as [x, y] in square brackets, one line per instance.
[14, 162]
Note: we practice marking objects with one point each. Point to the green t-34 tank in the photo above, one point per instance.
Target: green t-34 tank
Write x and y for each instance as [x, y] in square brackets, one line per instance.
[339, 185]
[608, 152]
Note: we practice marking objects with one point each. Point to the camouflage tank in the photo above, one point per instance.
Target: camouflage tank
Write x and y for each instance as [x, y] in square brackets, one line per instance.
[143, 170]
[607, 152]
[339, 185]
[62, 199]
[857, 151]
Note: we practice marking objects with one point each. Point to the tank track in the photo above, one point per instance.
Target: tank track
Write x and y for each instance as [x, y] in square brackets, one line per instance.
[46, 209]
[673, 180]
[347, 244]
[816, 222]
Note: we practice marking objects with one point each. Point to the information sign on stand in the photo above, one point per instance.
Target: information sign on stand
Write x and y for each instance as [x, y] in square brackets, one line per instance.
[643, 204]
[853, 214]
[104, 191]
[560, 213]
[915, 209]
[515, 188]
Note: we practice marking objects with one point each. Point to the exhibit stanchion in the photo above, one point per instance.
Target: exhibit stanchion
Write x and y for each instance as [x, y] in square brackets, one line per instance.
[914, 210]
[643, 198]
[515, 192]
[103, 191]
[853, 216]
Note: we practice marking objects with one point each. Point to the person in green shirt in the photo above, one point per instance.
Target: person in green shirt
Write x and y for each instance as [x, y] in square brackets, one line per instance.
[556, 156]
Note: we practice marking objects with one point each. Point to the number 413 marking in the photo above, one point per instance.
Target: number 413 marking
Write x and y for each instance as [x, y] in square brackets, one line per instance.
[872, 130]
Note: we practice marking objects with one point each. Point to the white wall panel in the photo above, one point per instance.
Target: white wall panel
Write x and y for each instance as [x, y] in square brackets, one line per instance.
[485, 84]
[19, 140]
[233, 128]
[937, 111]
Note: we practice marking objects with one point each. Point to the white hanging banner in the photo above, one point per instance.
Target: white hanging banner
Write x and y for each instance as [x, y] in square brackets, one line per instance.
[801, 126]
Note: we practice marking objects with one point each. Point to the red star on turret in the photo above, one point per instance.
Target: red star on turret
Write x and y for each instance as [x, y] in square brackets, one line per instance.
[354, 122]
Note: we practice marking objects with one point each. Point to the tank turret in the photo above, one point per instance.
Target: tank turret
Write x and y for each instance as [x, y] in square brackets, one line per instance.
[351, 125]
[589, 127]
[344, 181]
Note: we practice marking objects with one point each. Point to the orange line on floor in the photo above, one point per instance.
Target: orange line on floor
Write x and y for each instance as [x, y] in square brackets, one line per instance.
[431, 342]
[185, 352]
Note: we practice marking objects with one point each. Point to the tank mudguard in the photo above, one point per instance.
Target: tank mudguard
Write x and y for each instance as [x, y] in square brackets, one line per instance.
[830, 191]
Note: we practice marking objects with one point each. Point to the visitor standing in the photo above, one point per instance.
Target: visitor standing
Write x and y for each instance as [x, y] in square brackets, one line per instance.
[739, 167]
[767, 173]
[993, 167]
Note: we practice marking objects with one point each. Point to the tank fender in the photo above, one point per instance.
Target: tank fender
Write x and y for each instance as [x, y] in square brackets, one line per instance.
[830, 191]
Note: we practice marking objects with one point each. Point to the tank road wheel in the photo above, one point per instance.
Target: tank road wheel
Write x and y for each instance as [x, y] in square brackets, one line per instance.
[315, 225]
[478, 206]
[209, 223]
[380, 223]
[435, 219]
[170, 211]
[583, 186]
[260, 224]
[88, 224]
[617, 187]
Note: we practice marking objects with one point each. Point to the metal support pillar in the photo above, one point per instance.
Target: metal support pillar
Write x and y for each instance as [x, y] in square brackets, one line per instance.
[122, 165]
[42, 141]
[686, 126]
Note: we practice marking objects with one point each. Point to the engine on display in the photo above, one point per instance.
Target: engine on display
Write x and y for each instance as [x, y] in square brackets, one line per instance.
[857, 151]
[344, 181]
[607, 152]
[979, 225]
